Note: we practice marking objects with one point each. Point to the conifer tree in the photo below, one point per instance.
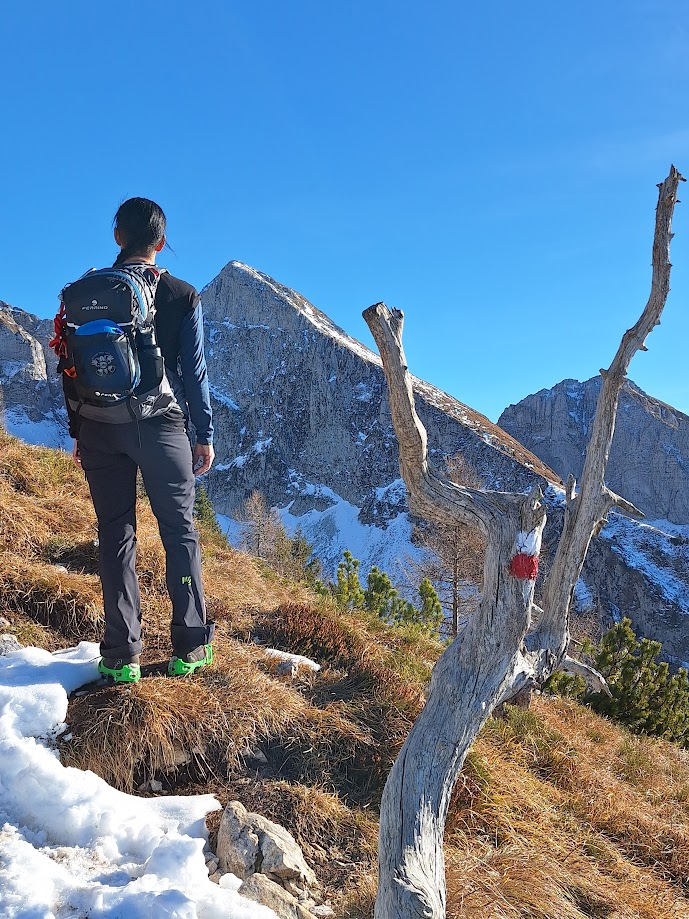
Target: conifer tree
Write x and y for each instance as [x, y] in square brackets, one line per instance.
[456, 552]
[431, 612]
[644, 696]
[347, 589]
[382, 599]
[205, 513]
[379, 595]
[265, 537]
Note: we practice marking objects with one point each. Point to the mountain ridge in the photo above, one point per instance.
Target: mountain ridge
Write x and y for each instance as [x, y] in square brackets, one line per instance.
[649, 456]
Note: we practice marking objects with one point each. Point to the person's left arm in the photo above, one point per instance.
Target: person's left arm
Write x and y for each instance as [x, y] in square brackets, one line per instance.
[195, 377]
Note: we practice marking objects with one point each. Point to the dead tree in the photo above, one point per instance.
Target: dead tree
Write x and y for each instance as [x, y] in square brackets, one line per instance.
[456, 552]
[497, 654]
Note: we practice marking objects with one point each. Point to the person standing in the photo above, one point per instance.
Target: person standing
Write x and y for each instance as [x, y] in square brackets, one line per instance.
[148, 430]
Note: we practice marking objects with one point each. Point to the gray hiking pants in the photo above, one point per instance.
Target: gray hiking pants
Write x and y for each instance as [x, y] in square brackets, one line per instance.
[110, 456]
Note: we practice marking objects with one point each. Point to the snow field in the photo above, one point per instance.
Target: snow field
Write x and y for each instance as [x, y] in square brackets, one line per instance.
[72, 846]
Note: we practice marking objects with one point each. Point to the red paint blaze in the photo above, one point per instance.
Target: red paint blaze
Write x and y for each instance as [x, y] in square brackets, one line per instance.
[524, 567]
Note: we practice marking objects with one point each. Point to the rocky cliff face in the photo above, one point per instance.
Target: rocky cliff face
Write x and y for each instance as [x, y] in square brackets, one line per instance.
[301, 415]
[296, 399]
[30, 393]
[642, 571]
[649, 459]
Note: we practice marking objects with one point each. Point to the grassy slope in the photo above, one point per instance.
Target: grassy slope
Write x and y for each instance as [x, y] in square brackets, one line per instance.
[558, 813]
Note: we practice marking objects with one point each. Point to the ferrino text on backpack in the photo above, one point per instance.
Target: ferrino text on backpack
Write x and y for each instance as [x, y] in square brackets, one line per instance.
[105, 339]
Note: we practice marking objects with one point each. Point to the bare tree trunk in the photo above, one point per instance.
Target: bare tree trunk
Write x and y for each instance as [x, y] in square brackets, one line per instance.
[585, 513]
[494, 657]
[470, 676]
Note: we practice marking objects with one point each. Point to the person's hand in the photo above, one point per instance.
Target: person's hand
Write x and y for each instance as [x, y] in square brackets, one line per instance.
[204, 454]
[76, 455]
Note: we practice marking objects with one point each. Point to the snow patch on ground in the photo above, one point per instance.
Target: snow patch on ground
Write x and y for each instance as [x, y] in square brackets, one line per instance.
[70, 845]
[297, 659]
[393, 493]
[48, 432]
[660, 551]
[583, 597]
[338, 527]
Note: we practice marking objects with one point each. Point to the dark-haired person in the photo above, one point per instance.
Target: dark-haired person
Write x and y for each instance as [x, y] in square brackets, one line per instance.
[110, 454]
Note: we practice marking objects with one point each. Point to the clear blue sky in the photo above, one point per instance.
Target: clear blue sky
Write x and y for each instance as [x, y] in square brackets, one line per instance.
[489, 168]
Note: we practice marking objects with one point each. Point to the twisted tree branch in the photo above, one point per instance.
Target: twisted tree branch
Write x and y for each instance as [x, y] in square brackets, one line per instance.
[496, 653]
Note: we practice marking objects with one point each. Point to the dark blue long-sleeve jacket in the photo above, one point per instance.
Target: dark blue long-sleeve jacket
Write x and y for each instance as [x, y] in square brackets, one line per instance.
[179, 330]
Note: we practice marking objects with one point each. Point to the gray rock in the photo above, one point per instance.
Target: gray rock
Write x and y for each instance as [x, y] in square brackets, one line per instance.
[8, 644]
[649, 457]
[30, 396]
[248, 843]
[238, 844]
[287, 668]
[180, 756]
[302, 412]
[262, 890]
[155, 786]
[255, 757]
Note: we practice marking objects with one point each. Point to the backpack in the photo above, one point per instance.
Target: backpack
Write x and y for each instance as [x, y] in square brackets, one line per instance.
[105, 339]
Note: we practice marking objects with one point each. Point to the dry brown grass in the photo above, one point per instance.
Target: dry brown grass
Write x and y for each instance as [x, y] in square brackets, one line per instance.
[29, 632]
[65, 601]
[47, 519]
[131, 734]
[333, 836]
[547, 824]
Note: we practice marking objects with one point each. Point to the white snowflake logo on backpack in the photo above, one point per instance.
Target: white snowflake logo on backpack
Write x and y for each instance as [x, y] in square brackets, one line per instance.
[103, 363]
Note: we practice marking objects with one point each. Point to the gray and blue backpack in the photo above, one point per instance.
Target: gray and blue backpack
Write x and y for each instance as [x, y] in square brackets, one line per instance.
[105, 338]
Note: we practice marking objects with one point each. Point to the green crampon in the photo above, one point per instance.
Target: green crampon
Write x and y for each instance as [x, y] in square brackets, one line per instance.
[127, 673]
[179, 667]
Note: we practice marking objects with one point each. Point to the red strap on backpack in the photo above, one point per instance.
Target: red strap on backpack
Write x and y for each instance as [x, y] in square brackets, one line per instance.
[59, 342]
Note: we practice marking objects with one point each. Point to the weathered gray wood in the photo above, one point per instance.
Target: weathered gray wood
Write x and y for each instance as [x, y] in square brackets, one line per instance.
[586, 511]
[495, 656]
[470, 676]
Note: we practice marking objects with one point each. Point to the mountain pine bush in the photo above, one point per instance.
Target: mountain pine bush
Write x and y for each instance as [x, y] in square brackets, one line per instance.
[205, 514]
[382, 599]
[645, 696]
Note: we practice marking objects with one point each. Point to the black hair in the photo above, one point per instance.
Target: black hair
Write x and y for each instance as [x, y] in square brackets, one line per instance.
[141, 226]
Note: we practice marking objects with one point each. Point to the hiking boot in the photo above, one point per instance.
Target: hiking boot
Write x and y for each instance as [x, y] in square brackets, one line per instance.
[120, 671]
[186, 665]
